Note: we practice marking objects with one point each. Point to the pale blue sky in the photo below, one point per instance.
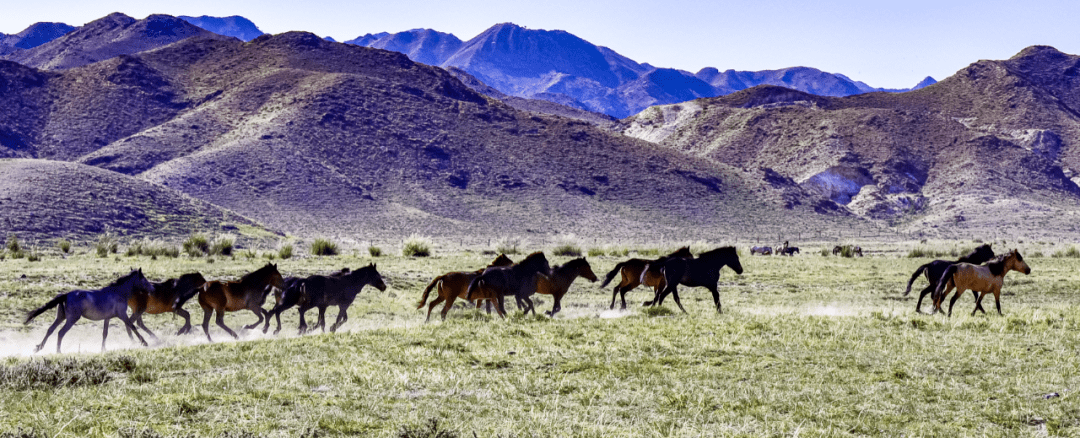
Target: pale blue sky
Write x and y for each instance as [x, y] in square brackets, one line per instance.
[883, 43]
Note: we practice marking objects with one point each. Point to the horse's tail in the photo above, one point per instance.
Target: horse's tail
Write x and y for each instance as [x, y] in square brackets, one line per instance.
[473, 285]
[611, 275]
[184, 297]
[944, 282]
[423, 299]
[59, 300]
[914, 277]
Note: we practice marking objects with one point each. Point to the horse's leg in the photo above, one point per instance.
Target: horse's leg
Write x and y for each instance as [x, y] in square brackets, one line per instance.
[277, 316]
[500, 304]
[555, 308]
[138, 320]
[435, 302]
[955, 296]
[997, 300]
[59, 318]
[258, 311]
[716, 298]
[342, 316]
[978, 299]
[322, 319]
[127, 323]
[303, 322]
[922, 294]
[675, 295]
[531, 308]
[206, 322]
[70, 321]
[938, 299]
[105, 333]
[220, 320]
[187, 321]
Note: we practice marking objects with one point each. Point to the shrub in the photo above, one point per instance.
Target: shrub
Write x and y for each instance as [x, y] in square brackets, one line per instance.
[825, 252]
[323, 247]
[106, 244]
[223, 246]
[596, 252]
[13, 244]
[197, 245]
[619, 252]
[285, 252]
[249, 254]
[416, 246]
[33, 257]
[270, 255]
[646, 252]
[508, 246]
[153, 249]
[374, 251]
[567, 250]
[64, 245]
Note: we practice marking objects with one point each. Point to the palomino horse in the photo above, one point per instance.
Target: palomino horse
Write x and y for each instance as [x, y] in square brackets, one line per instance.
[935, 269]
[322, 291]
[632, 271]
[981, 280]
[558, 283]
[453, 285]
[163, 299]
[518, 280]
[229, 296]
[703, 271]
[102, 304]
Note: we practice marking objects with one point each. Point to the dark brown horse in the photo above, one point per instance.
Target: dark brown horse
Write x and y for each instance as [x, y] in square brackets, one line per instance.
[703, 271]
[101, 304]
[935, 269]
[292, 293]
[632, 271]
[453, 285]
[163, 299]
[518, 280]
[558, 283]
[322, 291]
[249, 293]
[981, 280]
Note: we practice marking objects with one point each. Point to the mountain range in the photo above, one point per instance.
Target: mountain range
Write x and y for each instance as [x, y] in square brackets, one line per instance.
[295, 134]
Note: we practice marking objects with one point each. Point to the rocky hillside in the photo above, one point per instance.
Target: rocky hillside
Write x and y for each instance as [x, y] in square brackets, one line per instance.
[234, 26]
[993, 146]
[319, 138]
[33, 36]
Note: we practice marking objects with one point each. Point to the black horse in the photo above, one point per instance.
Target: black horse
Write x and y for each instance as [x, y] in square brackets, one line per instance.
[634, 274]
[789, 251]
[292, 294]
[703, 271]
[935, 269]
[518, 280]
[322, 291]
[102, 304]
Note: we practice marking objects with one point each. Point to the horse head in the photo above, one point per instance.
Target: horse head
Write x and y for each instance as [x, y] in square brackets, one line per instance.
[583, 269]
[536, 261]
[374, 278]
[501, 260]
[1015, 262]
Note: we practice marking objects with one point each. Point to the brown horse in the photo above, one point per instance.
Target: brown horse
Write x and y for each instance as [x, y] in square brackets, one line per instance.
[633, 271]
[322, 291]
[290, 296]
[935, 269]
[984, 280]
[453, 285]
[518, 280]
[558, 283]
[163, 299]
[229, 296]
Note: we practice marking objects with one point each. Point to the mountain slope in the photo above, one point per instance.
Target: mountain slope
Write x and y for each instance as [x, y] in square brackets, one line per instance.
[425, 46]
[996, 143]
[105, 38]
[234, 26]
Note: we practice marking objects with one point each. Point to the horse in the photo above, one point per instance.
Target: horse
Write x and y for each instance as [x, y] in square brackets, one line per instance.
[163, 299]
[292, 292]
[762, 250]
[789, 251]
[935, 269]
[632, 271]
[229, 296]
[518, 279]
[321, 291]
[101, 304]
[453, 285]
[981, 280]
[558, 282]
[837, 249]
[704, 271]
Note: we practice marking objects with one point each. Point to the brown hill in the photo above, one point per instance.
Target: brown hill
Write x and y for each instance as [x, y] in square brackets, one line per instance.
[314, 137]
[994, 146]
[114, 35]
[41, 198]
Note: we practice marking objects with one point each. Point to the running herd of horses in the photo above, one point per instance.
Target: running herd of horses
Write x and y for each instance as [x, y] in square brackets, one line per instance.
[980, 271]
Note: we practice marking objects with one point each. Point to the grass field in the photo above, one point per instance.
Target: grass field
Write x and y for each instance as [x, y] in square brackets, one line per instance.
[807, 346]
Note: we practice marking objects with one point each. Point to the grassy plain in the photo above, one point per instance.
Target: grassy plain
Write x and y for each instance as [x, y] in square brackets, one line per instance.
[808, 346]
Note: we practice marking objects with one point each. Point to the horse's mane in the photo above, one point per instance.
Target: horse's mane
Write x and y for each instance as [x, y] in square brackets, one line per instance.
[124, 279]
[258, 273]
[681, 252]
[501, 260]
[724, 250]
[980, 254]
[997, 266]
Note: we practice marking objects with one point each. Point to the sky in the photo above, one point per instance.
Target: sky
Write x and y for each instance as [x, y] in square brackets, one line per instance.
[885, 43]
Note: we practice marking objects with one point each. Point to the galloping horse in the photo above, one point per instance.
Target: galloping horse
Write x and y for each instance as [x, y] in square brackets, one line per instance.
[935, 269]
[558, 283]
[632, 271]
[163, 299]
[518, 279]
[102, 304]
[292, 293]
[981, 280]
[703, 271]
[454, 285]
[321, 291]
[229, 296]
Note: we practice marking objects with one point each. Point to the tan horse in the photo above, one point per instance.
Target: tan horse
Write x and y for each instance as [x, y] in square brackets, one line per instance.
[453, 285]
[558, 283]
[163, 299]
[230, 296]
[633, 271]
[983, 280]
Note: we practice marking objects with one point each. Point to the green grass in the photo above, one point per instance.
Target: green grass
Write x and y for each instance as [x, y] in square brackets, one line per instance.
[323, 247]
[807, 346]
